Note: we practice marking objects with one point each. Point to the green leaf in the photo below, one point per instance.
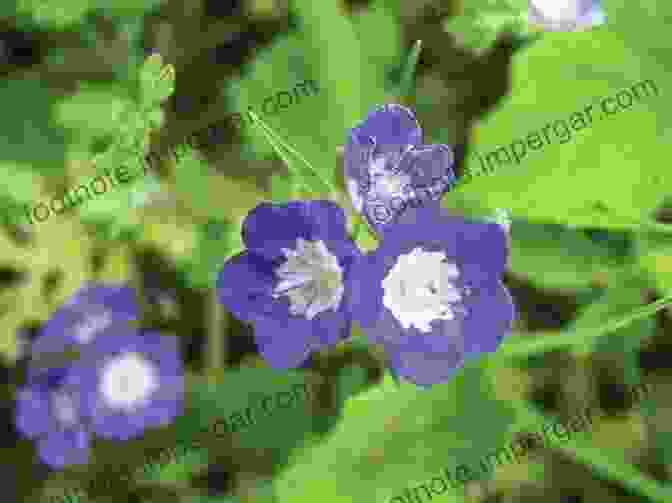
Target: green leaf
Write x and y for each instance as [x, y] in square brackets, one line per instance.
[558, 258]
[388, 438]
[558, 181]
[573, 338]
[282, 188]
[217, 242]
[302, 170]
[240, 391]
[477, 27]
[309, 67]
[655, 257]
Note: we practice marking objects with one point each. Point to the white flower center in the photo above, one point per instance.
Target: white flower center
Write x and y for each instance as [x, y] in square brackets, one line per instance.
[311, 278]
[87, 330]
[560, 10]
[128, 381]
[63, 408]
[387, 183]
[418, 289]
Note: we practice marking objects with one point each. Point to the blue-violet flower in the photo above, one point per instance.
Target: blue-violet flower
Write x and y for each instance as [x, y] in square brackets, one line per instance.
[387, 169]
[432, 294]
[292, 282]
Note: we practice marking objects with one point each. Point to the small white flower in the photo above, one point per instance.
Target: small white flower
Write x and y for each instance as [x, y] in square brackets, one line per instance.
[311, 278]
[128, 382]
[560, 10]
[419, 289]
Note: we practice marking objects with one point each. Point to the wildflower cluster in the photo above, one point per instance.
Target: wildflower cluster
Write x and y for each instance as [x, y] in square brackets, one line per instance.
[431, 293]
[91, 372]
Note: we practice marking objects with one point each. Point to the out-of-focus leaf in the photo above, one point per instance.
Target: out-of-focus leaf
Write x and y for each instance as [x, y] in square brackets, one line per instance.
[157, 81]
[561, 181]
[218, 241]
[477, 27]
[305, 174]
[93, 112]
[555, 257]
[581, 336]
[655, 257]
[367, 457]
[237, 389]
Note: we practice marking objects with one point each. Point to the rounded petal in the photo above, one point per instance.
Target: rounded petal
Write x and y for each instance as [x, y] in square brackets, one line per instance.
[77, 324]
[245, 288]
[33, 418]
[390, 126]
[388, 130]
[288, 344]
[64, 448]
[269, 227]
[429, 164]
[117, 297]
[163, 350]
[477, 247]
[489, 319]
[426, 361]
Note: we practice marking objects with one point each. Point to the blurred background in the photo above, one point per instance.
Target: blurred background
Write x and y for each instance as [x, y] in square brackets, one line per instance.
[591, 237]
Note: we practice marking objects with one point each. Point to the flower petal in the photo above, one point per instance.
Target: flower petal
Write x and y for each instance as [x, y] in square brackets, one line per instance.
[59, 449]
[245, 288]
[490, 318]
[33, 417]
[480, 247]
[269, 227]
[429, 165]
[422, 362]
[288, 345]
[390, 126]
[365, 300]
[160, 407]
[117, 297]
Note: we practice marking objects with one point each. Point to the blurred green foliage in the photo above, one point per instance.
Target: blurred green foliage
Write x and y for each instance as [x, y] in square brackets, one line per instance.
[577, 232]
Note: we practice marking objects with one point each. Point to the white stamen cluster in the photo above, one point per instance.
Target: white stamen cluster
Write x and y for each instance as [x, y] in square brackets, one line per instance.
[311, 278]
[419, 289]
[128, 381]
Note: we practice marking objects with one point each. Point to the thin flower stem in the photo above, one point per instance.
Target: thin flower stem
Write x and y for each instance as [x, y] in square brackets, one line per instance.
[578, 337]
[216, 339]
[278, 139]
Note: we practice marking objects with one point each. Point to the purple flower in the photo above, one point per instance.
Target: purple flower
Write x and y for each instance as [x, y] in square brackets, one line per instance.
[130, 382]
[82, 362]
[95, 310]
[432, 294]
[47, 409]
[387, 168]
[293, 280]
